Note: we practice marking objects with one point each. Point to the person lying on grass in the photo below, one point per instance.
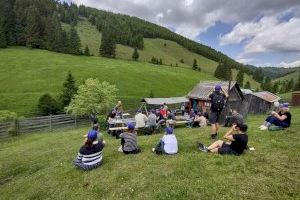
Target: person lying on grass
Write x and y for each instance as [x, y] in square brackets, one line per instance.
[90, 154]
[129, 141]
[167, 144]
[236, 145]
[281, 119]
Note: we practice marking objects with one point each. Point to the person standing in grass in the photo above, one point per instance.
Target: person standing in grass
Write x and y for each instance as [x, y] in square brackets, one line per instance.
[129, 140]
[217, 104]
[152, 121]
[237, 142]
[90, 154]
[281, 119]
[167, 144]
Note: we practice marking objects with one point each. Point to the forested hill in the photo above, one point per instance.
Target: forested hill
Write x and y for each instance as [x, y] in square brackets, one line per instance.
[37, 24]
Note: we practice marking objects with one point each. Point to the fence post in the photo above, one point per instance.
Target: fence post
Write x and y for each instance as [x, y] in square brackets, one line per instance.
[17, 126]
[50, 122]
[75, 120]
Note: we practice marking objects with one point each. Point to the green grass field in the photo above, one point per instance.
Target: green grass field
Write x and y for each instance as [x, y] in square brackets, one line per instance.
[27, 74]
[39, 166]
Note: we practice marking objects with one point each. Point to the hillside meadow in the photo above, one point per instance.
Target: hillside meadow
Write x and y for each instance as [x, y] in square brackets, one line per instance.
[39, 166]
[26, 74]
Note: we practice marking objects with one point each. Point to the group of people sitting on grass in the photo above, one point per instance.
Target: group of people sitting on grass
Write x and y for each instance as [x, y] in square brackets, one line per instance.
[90, 154]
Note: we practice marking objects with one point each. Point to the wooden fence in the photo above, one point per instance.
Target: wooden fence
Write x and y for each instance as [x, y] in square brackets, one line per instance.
[45, 123]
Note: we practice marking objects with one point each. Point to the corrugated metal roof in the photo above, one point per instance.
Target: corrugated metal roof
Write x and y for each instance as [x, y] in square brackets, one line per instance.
[161, 101]
[267, 96]
[203, 89]
[246, 91]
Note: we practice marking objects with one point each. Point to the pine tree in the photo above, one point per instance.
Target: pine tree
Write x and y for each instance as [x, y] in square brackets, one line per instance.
[69, 90]
[33, 30]
[74, 42]
[181, 60]
[108, 44]
[151, 94]
[195, 65]
[291, 85]
[86, 51]
[160, 61]
[248, 86]
[266, 84]
[3, 42]
[240, 78]
[135, 54]
[275, 87]
[223, 72]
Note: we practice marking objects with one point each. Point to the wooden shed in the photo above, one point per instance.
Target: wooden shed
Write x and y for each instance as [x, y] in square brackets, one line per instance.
[260, 102]
[296, 98]
[199, 97]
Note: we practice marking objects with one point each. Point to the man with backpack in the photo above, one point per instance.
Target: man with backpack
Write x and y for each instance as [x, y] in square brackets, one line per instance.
[217, 104]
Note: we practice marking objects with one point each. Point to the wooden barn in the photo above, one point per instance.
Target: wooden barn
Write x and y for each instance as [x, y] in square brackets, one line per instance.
[260, 102]
[199, 97]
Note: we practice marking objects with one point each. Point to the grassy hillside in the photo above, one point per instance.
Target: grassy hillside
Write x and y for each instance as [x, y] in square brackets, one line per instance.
[253, 83]
[295, 75]
[172, 53]
[27, 74]
[42, 168]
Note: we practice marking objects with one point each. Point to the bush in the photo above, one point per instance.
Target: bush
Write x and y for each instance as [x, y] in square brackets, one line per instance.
[48, 105]
[6, 115]
[92, 98]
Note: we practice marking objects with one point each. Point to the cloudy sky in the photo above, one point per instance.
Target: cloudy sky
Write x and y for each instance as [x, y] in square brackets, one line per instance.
[259, 32]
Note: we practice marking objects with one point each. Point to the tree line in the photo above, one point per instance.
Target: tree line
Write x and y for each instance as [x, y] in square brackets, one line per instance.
[37, 24]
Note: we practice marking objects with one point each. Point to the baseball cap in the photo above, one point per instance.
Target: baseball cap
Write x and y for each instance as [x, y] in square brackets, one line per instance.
[130, 126]
[92, 135]
[217, 87]
[169, 130]
[285, 105]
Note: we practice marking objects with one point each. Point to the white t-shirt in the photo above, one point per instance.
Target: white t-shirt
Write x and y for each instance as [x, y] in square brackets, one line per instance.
[140, 120]
[170, 142]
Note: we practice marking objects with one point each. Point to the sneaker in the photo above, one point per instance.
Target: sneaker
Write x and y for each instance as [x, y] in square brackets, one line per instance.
[120, 149]
[202, 148]
[153, 150]
[263, 128]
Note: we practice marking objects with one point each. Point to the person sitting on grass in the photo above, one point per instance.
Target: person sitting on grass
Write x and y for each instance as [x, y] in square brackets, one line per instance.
[129, 140]
[281, 119]
[167, 144]
[234, 119]
[152, 121]
[90, 154]
[236, 145]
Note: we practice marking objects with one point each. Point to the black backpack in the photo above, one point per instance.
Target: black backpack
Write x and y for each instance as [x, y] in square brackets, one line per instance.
[218, 102]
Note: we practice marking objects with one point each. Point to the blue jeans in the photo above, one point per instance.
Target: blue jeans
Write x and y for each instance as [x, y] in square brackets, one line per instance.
[276, 122]
[159, 149]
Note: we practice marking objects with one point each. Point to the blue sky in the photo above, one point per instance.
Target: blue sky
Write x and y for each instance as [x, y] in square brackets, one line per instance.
[259, 32]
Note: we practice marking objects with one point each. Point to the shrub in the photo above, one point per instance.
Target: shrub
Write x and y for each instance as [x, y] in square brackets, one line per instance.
[48, 105]
[6, 115]
[93, 98]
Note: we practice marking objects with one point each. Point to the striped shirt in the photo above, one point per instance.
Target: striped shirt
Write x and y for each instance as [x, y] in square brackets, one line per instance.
[130, 141]
[89, 157]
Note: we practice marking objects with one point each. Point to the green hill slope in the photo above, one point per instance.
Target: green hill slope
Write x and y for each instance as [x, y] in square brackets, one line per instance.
[295, 75]
[27, 74]
[172, 53]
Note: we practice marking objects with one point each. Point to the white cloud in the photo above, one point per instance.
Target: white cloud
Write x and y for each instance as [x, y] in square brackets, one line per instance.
[266, 35]
[291, 64]
[245, 60]
[190, 17]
